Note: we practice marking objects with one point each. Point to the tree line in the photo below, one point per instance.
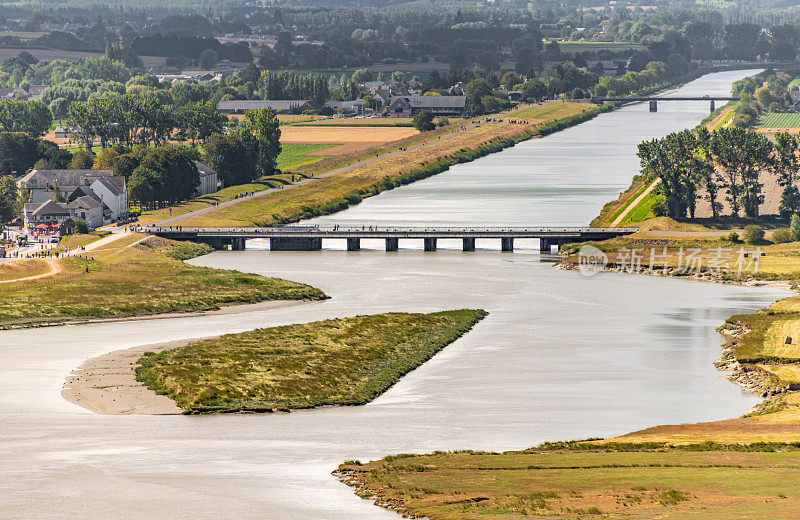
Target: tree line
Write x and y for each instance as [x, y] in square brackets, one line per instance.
[702, 165]
[166, 174]
[140, 118]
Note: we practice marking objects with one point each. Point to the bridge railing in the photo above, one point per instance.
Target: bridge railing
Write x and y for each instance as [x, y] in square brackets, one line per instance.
[315, 230]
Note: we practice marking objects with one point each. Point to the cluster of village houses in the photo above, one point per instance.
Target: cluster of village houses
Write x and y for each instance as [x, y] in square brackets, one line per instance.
[59, 198]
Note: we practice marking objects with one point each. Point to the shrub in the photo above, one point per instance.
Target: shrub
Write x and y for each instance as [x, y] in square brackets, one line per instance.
[753, 234]
[782, 235]
[733, 237]
[795, 227]
[81, 227]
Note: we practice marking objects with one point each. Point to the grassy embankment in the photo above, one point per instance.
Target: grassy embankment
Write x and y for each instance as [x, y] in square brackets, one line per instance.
[338, 191]
[347, 361]
[642, 211]
[577, 481]
[292, 157]
[132, 278]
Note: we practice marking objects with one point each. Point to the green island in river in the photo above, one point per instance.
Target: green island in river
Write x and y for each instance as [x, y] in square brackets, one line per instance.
[347, 361]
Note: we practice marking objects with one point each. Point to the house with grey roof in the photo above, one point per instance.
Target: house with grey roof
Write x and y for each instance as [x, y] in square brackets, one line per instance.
[278, 105]
[88, 209]
[406, 106]
[109, 190]
[47, 215]
[209, 180]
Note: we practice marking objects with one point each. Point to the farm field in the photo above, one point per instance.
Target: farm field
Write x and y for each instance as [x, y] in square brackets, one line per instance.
[774, 120]
[349, 138]
[294, 155]
[364, 122]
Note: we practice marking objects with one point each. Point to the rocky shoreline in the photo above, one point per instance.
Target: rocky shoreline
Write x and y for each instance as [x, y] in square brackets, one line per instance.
[348, 478]
[670, 272]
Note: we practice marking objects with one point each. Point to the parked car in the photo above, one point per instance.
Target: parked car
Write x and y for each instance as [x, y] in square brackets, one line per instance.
[55, 239]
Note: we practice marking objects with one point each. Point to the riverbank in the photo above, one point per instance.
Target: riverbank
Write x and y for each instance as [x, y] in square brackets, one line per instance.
[133, 277]
[347, 361]
[331, 187]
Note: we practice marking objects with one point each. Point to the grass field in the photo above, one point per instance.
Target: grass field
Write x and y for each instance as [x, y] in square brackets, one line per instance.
[639, 483]
[21, 269]
[132, 278]
[551, 111]
[294, 155]
[347, 361]
[779, 120]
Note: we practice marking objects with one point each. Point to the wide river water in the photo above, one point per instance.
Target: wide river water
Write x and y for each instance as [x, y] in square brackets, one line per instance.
[561, 355]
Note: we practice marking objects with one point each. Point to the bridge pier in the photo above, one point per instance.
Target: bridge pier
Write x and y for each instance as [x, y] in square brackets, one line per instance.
[429, 244]
[712, 105]
[545, 245]
[468, 244]
[354, 244]
[392, 244]
[653, 105]
[237, 244]
[295, 244]
[507, 244]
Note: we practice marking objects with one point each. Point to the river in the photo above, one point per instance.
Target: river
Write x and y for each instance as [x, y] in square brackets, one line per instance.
[561, 356]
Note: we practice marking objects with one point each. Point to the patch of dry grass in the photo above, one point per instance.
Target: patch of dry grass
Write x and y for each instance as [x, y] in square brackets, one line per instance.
[119, 281]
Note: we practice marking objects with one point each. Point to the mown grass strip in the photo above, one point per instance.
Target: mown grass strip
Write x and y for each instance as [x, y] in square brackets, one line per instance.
[348, 361]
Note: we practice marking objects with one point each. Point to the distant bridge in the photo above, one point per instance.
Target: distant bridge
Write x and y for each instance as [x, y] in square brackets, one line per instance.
[309, 238]
[655, 99]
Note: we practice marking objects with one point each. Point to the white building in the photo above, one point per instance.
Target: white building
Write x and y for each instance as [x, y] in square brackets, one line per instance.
[112, 195]
[209, 181]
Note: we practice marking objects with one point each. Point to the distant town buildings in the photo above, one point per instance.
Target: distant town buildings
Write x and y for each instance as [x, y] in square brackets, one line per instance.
[406, 106]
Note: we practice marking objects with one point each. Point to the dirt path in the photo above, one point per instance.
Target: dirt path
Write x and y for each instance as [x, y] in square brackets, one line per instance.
[55, 268]
[55, 265]
[635, 203]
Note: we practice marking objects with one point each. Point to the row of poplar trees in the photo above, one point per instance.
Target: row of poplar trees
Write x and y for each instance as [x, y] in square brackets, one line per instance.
[695, 166]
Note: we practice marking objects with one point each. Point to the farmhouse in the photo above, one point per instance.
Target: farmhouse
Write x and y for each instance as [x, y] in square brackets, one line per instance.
[278, 105]
[405, 106]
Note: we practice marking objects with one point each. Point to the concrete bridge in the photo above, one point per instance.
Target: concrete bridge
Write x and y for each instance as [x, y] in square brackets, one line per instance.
[309, 238]
[655, 99]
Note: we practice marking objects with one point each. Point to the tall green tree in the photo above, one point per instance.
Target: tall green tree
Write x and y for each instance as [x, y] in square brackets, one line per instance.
[264, 124]
[786, 164]
[706, 171]
[9, 199]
